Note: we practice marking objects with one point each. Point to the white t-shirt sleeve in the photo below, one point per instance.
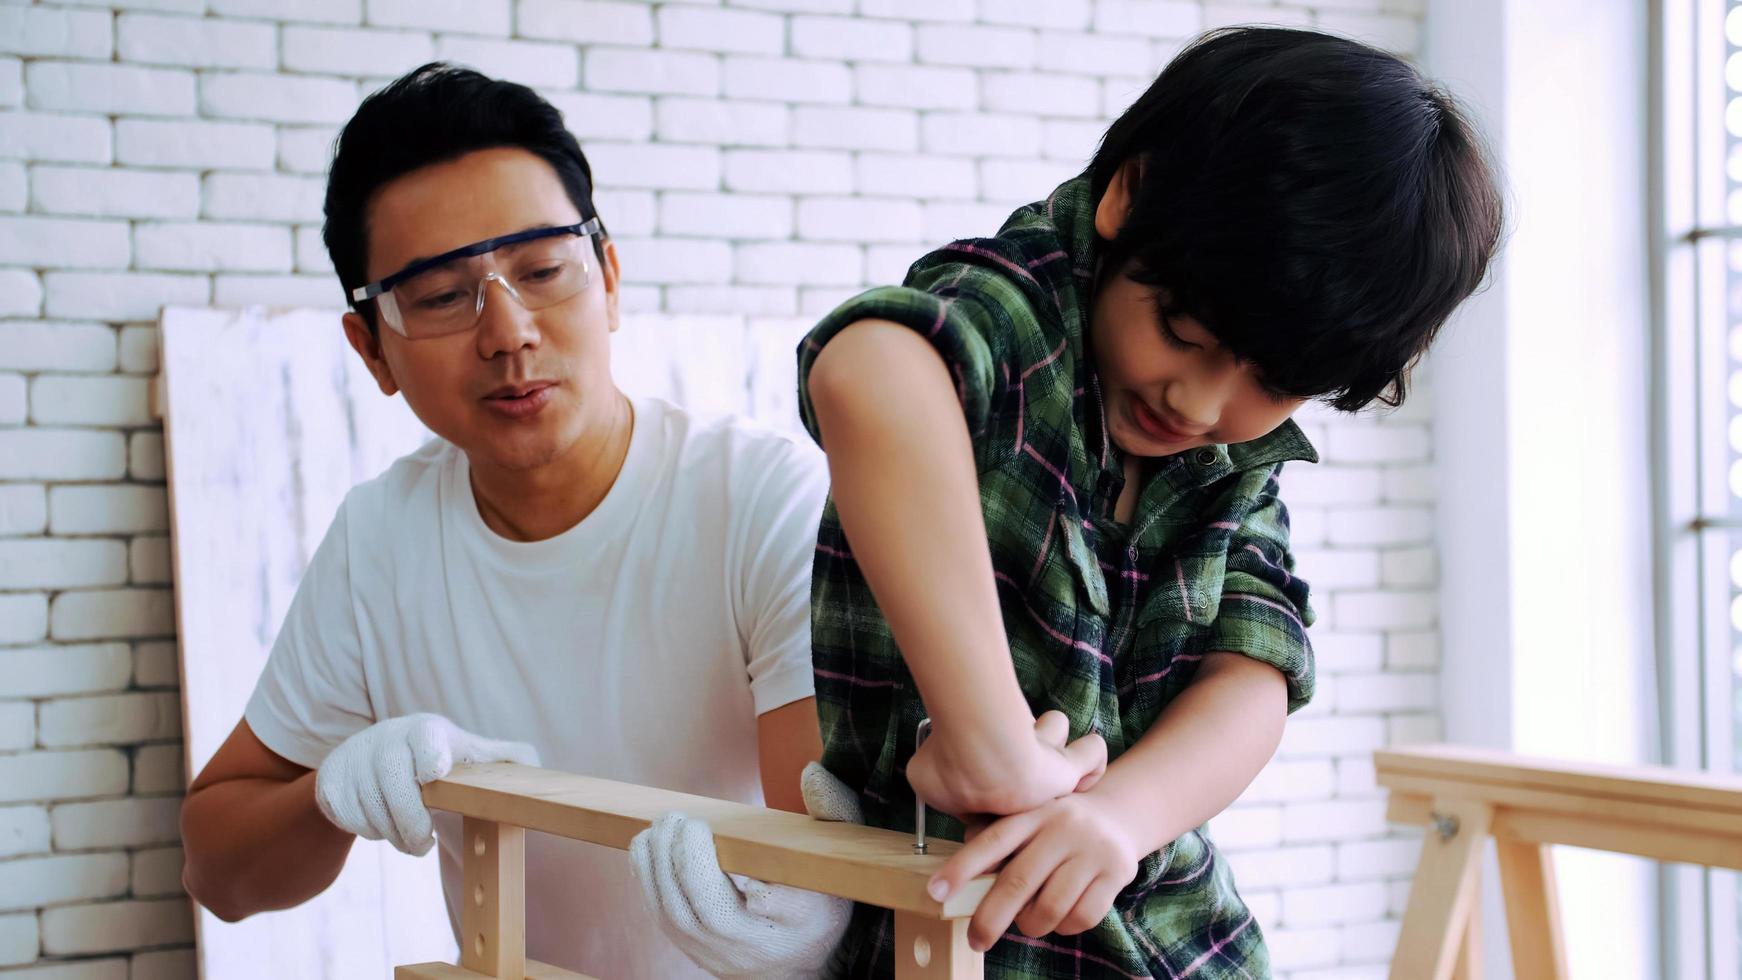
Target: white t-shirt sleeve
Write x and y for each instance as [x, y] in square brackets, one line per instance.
[312, 694]
[790, 483]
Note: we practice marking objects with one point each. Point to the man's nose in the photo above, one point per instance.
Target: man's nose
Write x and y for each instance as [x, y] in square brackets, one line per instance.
[504, 323]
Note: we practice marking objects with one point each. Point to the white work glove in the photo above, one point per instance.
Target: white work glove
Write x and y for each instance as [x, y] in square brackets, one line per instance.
[733, 926]
[371, 784]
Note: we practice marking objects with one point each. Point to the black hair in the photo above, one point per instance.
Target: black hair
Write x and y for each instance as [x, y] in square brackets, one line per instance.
[433, 114]
[1314, 202]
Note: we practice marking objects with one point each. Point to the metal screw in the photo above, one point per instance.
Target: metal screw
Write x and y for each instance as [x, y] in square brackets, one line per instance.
[919, 804]
[1446, 824]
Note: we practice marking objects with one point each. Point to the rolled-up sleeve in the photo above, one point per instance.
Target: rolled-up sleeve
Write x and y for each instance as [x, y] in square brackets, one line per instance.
[976, 317]
[1264, 611]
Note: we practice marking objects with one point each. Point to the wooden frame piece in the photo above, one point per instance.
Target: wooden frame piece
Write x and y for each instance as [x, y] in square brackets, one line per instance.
[1465, 796]
[501, 801]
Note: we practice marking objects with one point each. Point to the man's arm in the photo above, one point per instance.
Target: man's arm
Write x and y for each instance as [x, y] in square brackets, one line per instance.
[787, 739]
[254, 837]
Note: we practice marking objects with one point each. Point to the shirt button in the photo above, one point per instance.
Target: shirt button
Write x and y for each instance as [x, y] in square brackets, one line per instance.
[1206, 457]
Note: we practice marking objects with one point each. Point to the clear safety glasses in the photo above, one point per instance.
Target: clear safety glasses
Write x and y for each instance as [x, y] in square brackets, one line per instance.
[443, 295]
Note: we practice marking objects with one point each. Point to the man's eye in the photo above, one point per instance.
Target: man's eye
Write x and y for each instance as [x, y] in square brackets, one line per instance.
[545, 274]
[440, 300]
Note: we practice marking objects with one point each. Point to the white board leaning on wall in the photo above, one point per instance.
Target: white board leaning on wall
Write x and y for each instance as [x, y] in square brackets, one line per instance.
[269, 419]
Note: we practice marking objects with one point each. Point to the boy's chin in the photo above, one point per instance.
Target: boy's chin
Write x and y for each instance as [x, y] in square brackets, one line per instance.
[1138, 446]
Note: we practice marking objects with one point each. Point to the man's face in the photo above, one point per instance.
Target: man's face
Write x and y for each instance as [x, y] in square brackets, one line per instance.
[520, 388]
[1169, 385]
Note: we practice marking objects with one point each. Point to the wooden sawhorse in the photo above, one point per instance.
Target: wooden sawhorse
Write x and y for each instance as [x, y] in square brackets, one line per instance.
[500, 802]
[1465, 796]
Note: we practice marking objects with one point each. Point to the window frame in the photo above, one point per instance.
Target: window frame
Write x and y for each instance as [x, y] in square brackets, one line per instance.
[1695, 519]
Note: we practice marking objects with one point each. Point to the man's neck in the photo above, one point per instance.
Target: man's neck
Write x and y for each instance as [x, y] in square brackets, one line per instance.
[532, 505]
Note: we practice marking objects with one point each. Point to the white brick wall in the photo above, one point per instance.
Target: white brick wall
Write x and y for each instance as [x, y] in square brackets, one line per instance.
[759, 157]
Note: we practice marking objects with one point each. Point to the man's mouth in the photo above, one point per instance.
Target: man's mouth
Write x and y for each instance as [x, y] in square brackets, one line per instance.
[519, 401]
[508, 392]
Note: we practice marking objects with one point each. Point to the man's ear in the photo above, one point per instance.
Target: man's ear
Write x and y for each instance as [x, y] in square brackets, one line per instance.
[368, 346]
[613, 274]
[1115, 201]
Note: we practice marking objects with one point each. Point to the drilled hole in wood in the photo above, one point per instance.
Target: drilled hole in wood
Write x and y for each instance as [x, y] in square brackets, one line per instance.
[478, 895]
[478, 945]
[922, 951]
[478, 846]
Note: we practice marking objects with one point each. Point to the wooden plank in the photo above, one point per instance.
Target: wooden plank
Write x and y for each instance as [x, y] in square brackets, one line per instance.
[1722, 849]
[1666, 814]
[1645, 784]
[493, 902]
[1410, 808]
[935, 949]
[1533, 915]
[1711, 849]
[1442, 895]
[448, 971]
[865, 864]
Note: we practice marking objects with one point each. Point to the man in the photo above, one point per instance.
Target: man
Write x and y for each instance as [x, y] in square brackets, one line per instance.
[608, 585]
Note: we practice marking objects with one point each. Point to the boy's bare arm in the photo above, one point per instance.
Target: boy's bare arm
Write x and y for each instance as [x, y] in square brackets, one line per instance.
[907, 494]
[1204, 749]
[1069, 858]
[254, 837]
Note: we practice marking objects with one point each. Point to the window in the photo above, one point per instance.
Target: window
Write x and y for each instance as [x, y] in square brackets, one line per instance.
[1697, 108]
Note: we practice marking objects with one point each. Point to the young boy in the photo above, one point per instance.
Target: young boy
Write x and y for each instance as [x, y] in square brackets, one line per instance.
[1055, 457]
[620, 587]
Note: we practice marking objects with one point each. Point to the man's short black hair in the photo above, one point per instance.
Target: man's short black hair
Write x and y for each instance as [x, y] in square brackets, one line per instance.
[429, 115]
[1312, 201]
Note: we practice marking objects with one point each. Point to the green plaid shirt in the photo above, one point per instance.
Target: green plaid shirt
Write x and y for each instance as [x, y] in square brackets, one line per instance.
[1106, 621]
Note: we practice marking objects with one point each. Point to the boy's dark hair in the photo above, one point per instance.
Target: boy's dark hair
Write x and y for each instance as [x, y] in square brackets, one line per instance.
[433, 114]
[1312, 201]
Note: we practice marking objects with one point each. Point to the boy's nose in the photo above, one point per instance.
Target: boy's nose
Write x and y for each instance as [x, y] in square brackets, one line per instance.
[1198, 401]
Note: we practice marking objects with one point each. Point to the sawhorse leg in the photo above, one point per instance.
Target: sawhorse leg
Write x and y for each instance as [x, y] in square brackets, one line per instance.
[1533, 917]
[1443, 898]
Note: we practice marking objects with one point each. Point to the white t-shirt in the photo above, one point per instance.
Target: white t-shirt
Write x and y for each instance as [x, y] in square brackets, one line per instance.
[639, 645]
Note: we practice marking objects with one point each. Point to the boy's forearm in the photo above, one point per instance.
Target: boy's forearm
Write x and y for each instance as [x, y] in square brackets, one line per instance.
[907, 495]
[1204, 749]
[256, 845]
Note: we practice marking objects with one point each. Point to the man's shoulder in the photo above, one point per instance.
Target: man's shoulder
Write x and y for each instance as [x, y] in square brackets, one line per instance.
[727, 444]
[405, 488]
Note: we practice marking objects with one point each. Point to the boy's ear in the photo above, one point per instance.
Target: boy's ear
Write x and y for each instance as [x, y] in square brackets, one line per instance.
[1115, 201]
[368, 346]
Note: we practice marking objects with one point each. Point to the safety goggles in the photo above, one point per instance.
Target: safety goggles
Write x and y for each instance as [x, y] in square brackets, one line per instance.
[443, 295]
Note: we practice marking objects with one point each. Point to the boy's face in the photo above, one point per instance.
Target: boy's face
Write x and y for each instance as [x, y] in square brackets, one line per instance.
[1168, 385]
[517, 390]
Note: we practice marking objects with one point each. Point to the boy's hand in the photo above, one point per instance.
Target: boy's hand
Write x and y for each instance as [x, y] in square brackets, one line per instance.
[974, 773]
[1068, 859]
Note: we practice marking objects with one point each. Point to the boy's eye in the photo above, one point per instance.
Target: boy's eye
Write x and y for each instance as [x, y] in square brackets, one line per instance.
[1272, 393]
[1172, 337]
